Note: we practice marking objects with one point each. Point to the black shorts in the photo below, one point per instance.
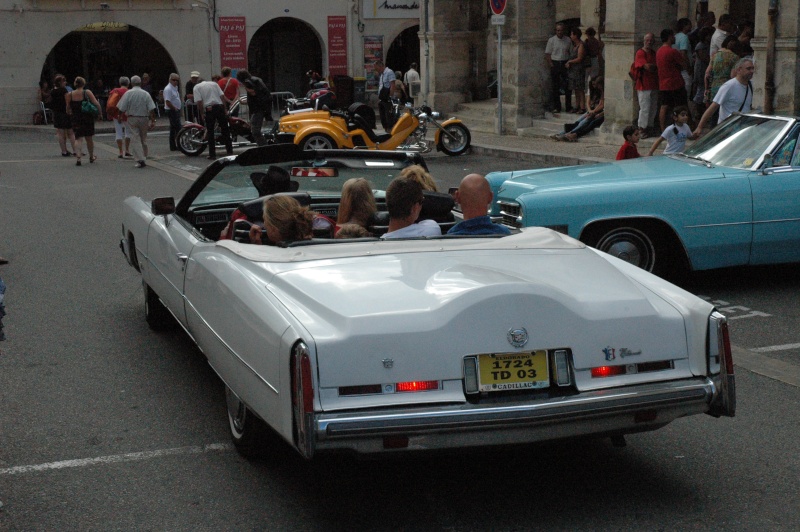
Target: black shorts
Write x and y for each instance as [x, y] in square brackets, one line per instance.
[674, 98]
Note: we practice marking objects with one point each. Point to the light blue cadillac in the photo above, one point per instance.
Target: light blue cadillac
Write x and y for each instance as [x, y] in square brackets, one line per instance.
[732, 198]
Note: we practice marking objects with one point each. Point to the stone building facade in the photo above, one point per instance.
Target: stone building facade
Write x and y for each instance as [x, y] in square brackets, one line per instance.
[455, 42]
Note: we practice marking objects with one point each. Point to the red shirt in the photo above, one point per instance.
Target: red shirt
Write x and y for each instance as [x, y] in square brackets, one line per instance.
[647, 80]
[670, 63]
[230, 87]
[627, 151]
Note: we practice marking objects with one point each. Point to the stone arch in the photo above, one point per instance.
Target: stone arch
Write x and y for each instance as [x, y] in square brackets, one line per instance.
[282, 50]
[404, 49]
[105, 51]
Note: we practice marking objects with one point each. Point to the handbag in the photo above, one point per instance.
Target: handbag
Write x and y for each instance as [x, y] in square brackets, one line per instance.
[88, 107]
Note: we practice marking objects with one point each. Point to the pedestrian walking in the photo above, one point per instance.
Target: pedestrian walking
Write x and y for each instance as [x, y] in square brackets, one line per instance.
[629, 149]
[82, 119]
[212, 106]
[122, 130]
[556, 53]
[676, 134]
[140, 108]
[736, 95]
[61, 120]
[172, 103]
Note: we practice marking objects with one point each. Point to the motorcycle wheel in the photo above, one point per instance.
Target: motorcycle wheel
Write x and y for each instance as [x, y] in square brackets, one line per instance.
[318, 141]
[190, 141]
[458, 144]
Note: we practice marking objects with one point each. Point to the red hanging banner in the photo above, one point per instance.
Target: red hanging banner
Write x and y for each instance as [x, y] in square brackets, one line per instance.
[232, 42]
[337, 46]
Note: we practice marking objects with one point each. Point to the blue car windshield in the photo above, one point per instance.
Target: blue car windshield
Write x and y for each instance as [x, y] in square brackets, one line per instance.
[740, 141]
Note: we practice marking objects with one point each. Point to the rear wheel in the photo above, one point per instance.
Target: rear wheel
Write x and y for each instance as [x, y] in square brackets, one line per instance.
[247, 431]
[190, 141]
[155, 313]
[454, 139]
[318, 141]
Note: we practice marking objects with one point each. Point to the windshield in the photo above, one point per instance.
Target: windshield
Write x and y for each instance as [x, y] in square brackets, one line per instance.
[235, 183]
[740, 141]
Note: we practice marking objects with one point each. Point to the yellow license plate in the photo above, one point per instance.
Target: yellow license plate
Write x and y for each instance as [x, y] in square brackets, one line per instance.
[513, 371]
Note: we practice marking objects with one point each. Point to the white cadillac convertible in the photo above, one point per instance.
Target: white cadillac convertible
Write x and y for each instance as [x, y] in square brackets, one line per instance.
[372, 346]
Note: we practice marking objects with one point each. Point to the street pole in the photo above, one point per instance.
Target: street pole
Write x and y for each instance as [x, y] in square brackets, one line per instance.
[499, 79]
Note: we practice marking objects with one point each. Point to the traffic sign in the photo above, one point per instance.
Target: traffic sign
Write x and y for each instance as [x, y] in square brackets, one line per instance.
[498, 6]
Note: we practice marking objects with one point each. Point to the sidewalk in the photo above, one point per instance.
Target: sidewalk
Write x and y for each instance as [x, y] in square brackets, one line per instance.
[535, 150]
[545, 151]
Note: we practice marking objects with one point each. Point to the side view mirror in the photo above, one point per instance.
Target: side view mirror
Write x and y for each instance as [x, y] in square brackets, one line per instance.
[767, 164]
[163, 206]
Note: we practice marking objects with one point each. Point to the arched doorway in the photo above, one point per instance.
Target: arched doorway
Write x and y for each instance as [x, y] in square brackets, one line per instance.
[404, 50]
[105, 51]
[282, 51]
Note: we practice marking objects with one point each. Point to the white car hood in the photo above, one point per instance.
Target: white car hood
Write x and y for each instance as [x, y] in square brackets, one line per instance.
[426, 310]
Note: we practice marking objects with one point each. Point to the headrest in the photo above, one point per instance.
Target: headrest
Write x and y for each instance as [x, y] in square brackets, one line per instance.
[436, 206]
[273, 181]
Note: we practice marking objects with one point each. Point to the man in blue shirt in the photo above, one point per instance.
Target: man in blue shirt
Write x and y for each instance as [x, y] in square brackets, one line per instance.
[474, 196]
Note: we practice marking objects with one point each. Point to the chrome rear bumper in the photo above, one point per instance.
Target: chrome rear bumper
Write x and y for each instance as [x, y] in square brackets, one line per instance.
[618, 411]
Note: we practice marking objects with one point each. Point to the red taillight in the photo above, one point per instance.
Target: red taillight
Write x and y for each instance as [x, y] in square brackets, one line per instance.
[308, 383]
[416, 386]
[608, 371]
[726, 348]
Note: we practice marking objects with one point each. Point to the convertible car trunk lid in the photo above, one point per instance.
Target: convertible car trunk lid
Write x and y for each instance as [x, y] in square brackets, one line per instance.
[425, 311]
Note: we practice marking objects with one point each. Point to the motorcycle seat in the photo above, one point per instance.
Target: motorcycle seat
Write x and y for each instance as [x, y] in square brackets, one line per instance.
[358, 122]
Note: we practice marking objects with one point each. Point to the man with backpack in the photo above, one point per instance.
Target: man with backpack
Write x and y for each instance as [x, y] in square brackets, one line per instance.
[120, 119]
[645, 74]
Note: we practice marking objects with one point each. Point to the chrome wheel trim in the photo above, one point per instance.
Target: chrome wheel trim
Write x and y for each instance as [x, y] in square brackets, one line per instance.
[631, 245]
[317, 142]
[457, 144]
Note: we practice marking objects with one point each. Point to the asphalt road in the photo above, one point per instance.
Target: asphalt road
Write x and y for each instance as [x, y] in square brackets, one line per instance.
[105, 425]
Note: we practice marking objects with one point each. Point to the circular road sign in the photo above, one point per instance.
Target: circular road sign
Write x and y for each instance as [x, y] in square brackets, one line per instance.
[498, 6]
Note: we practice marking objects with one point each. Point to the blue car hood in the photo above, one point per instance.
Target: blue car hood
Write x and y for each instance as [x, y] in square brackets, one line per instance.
[649, 169]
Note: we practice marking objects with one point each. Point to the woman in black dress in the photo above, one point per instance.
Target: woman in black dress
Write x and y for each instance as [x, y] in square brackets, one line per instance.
[82, 123]
[61, 120]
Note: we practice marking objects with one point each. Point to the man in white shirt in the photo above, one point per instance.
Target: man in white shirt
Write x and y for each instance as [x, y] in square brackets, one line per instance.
[735, 95]
[724, 28]
[386, 80]
[209, 98]
[172, 103]
[556, 53]
[404, 201]
[139, 106]
[412, 76]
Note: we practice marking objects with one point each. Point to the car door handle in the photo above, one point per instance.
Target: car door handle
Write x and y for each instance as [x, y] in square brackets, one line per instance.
[182, 257]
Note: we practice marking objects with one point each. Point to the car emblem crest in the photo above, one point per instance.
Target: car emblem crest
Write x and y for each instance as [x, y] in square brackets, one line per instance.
[517, 337]
[388, 363]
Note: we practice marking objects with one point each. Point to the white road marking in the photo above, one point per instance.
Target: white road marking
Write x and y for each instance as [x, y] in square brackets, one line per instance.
[771, 348]
[117, 458]
[772, 368]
